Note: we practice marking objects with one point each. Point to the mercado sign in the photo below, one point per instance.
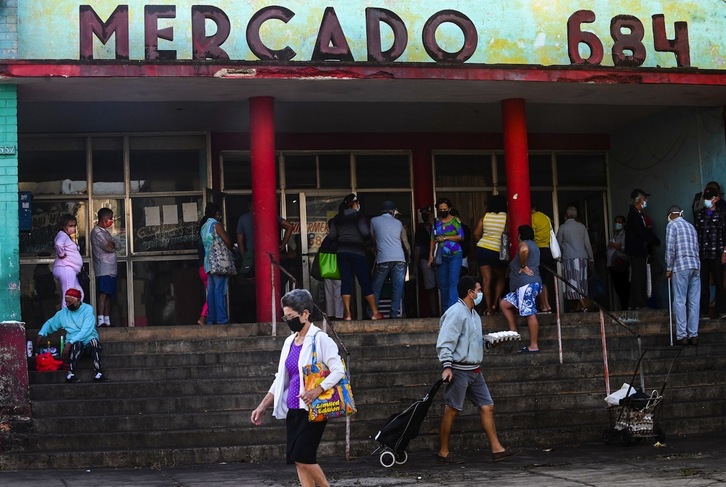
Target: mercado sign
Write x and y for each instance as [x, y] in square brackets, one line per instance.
[647, 33]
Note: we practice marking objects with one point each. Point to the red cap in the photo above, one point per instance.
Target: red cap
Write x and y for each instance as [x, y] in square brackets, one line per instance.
[74, 293]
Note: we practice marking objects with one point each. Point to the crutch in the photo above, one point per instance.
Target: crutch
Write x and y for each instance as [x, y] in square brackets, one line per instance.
[670, 310]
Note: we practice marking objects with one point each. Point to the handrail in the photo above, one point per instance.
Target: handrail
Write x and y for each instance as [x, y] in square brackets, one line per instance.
[582, 293]
[602, 328]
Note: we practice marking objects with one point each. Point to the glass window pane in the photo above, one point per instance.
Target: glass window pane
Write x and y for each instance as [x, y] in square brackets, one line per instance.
[46, 218]
[52, 165]
[108, 166]
[540, 170]
[40, 294]
[334, 171]
[166, 223]
[167, 292]
[301, 172]
[160, 164]
[463, 170]
[383, 171]
[237, 171]
[581, 170]
[118, 230]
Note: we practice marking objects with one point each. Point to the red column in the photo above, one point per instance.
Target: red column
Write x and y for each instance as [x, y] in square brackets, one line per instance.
[264, 200]
[517, 165]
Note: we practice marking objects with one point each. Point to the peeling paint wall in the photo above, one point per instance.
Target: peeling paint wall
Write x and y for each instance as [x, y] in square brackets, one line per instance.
[8, 29]
[672, 156]
[530, 32]
[9, 251]
[14, 386]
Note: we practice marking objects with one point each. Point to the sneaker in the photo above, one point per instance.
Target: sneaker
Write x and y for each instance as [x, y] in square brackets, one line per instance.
[682, 341]
[100, 378]
[72, 379]
[693, 340]
[450, 458]
[503, 455]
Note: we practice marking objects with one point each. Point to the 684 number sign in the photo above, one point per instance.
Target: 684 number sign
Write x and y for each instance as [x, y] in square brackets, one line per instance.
[627, 32]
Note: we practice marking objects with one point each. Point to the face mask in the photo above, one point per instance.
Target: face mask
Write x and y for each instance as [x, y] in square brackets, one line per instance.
[443, 214]
[108, 224]
[295, 324]
[618, 226]
[74, 307]
[478, 298]
[708, 203]
[645, 204]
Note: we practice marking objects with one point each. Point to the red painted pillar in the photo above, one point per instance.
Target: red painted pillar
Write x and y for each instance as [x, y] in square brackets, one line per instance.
[264, 200]
[517, 165]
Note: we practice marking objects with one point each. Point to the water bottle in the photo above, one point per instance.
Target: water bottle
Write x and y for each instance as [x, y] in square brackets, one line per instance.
[62, 344]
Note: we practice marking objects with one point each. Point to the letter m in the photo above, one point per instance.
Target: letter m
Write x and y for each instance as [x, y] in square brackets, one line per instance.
[91, 25]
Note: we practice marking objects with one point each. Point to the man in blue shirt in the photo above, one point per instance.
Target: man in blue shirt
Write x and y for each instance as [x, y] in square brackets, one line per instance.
[79, 322]
[388, 235]
[683, 268]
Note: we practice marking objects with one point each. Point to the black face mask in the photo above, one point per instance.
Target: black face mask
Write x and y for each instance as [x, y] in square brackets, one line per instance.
[295, 324]
[443, 214]
[74, 307]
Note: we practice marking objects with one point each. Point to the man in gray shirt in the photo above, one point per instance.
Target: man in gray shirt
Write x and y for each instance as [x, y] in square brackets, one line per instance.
[389, 237]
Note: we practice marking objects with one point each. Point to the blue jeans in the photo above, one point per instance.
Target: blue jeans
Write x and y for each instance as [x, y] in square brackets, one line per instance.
[216, 299]
[686, 301]
[350, 266]
[397, 271]
[449, 272]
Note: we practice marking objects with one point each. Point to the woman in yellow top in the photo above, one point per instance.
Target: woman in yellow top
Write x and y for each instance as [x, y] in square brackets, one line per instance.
[488, 232]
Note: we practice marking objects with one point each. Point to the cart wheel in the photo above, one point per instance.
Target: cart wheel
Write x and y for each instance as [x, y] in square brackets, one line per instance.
[401, 457]
[626, 437]
[388, 459]
[660, 435]
[607, 436]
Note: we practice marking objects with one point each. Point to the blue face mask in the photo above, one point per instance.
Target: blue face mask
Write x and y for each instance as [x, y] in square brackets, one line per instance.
[479, 297]
[708, 203]
[645, 204]
[618, 226]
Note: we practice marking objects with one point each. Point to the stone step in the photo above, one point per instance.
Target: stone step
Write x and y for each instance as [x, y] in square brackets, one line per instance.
[183, 395]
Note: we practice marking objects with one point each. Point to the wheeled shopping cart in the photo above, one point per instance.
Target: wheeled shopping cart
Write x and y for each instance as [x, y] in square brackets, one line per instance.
[638, 415]
[401, 428]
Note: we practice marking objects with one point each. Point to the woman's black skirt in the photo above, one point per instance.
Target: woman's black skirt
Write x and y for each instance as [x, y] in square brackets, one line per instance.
[303, 437]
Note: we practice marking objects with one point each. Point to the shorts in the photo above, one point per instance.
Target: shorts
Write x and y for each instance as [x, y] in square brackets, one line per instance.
[106, 285]
[303, 437]
[489, 257]
[524, 298]
[467, 384]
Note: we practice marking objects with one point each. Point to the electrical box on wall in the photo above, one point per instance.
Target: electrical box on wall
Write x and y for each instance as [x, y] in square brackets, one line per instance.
[25, 211]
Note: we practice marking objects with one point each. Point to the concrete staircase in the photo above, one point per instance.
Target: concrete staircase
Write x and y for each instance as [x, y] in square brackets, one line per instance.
[183, 395]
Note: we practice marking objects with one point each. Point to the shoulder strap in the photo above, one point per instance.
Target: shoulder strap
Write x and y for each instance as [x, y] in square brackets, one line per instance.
[315, 352]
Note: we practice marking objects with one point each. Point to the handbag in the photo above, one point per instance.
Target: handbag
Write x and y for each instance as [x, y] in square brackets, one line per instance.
[504, 248]
[333, 403]
[555, 249]
[439, 251]
[328, 265]
[221, 260]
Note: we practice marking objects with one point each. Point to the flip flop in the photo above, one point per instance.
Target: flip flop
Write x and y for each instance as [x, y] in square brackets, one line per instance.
[527, 350]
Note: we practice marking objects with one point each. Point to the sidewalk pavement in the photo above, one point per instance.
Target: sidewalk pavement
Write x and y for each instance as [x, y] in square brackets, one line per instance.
[687, 460]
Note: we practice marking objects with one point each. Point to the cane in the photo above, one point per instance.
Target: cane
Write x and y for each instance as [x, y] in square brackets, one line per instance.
[670, 310]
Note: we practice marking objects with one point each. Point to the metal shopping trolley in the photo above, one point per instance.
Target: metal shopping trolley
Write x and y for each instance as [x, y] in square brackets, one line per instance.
[638, 414]
[401, 428]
